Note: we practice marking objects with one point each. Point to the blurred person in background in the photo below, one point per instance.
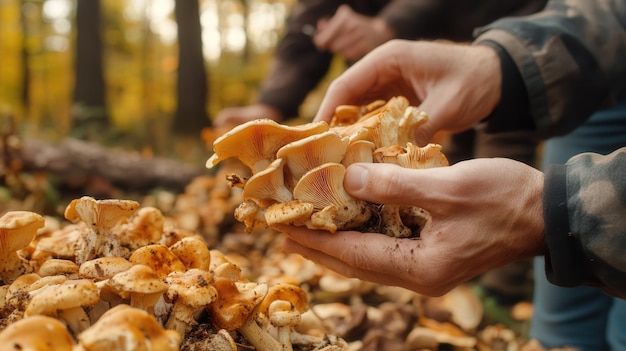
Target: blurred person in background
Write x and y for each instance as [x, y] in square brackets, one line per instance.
[317, 30]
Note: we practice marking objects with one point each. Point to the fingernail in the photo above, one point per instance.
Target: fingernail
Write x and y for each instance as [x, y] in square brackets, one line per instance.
[356, 178]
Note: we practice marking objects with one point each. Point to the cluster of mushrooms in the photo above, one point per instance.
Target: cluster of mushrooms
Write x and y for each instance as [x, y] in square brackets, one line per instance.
[119, 277]
[296, 172]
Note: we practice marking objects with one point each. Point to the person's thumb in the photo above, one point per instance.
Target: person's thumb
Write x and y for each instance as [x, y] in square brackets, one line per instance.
[381, 183]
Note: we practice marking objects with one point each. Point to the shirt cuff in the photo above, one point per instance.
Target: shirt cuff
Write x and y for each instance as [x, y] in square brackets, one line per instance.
[513, 111]
[565, 262]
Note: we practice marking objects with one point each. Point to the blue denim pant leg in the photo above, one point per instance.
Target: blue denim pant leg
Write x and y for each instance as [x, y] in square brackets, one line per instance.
[616, 329]
[576, 317]
[581, 317]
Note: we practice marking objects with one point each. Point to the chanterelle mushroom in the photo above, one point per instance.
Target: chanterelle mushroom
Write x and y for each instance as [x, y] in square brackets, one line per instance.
[103, 268]
[101, 216]
[17, 229]
[141, 285]
[307, 153]
[193, 252]
[294, 212]
[255, 143]
[144, 228]
[36, 333]
[127, 328]
[290, 177]
[284, 305]
[407, 221]
[159, 258]
[412, 156]
[67, 299]
[189, 291]
[237, 307]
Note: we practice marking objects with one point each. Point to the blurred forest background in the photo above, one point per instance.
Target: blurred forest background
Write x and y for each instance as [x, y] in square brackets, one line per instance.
[112, 98]
[137, 74]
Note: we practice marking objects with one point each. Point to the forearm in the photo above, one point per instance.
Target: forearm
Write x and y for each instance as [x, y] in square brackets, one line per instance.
[584, 211]
[569, 61]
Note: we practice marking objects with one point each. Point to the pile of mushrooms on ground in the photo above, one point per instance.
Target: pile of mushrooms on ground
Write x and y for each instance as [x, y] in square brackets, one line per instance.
[295, 173]
[121, 277]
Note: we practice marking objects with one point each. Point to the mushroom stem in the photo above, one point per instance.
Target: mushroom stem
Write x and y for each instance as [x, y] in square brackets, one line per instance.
[283, 315]
[76, 318]
[259, 338]
[181, 318]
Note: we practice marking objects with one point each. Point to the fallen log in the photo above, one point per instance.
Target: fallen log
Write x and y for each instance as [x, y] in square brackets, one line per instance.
[127, 169]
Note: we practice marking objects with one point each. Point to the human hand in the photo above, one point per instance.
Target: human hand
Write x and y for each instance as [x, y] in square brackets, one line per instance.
[457, 85]
[485, 213]
[233, 116]
[351, 34]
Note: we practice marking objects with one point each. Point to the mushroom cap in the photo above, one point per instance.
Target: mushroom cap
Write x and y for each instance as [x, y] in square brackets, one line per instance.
[410, 121]
[268, 186]
[312, 151]
[101, 214]
[294, 294]
[192, 288]
[345, 114]
[465, 308]
[46, 281]
[350, 114]
[412, 156]
[127, 328]
[359, 151]
[17, 230]
[251, 214]
[70, 294]
[61, 243]
[379, 126]
[380, 134]
[139, 279]
[282, 313]
[144, 228]
[103, 268]
[235, 303]
[193, 252]
[57, 266]
[159, 258]
[36, 333]
[17, 293]
[421, 338]
[255, 143]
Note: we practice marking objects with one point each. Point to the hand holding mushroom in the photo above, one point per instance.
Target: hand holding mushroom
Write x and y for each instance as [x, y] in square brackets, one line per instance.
[477, 223]
[297, 172]
[457, 85]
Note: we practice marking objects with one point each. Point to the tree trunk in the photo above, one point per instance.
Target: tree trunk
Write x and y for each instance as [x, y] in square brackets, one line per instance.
[192, 88]
[89, 93]
[25, 61]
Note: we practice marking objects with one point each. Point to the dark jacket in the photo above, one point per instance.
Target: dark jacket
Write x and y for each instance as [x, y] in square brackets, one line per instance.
[558, 68]
[298, 66]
